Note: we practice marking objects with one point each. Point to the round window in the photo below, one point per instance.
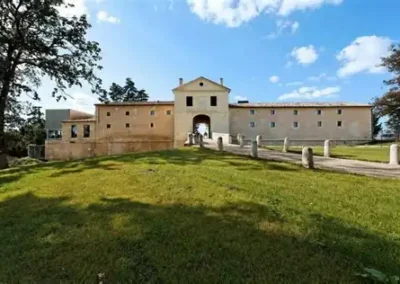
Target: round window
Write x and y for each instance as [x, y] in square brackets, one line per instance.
[201, 84]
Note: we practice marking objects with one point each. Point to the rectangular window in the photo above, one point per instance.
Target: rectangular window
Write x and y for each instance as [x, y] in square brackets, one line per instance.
[152, 125]
[272, 124]
[252, 124]
[189, 101]
[339, 123]
[213, 101]
[86, 131]
[295, 124]
[168, 112]
[295, 112]
[319, 112]
[152, 112]
[74, 131]
[108, 125]
[339, 111]
[319, 123]
[108, 113]
[127, 125]
[252, 112]
[127, 113]
[272, 111]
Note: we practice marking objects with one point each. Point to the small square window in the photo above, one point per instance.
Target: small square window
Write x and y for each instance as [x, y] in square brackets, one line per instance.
[127, 125]
[295, 112]
[339, 111]
[213, 101]
[295, 124]
[127, 113]
[168, 112]
[252, 124]
[252, 112]
[319, 123]
[108, 113]
[272, 124]
[108, 125]
[86, 131]
[319, 112]
[272, 111]
[152, 112]
[152, 125]
[339, 123]
[189, 101]
[74, 131]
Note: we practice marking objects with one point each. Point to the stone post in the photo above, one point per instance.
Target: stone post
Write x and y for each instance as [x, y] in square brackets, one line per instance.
[394, 154]
[254, 149]
[238, 138]
[286, 145]
[259, 140]
[241, 141]
[220, 144]
[196, 138]
[307, 158]
[201, 141]
[190, 139]
[327, 148]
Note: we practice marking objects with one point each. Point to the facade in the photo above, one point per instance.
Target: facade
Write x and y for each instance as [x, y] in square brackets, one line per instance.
[146, 126]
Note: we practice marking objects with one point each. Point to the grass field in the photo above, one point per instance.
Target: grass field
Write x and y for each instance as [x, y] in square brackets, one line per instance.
[375, 153]
[194, 216]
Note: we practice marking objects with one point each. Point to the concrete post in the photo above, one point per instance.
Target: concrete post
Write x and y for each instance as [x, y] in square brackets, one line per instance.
[241, 141]
[196, 138]
[259, 140]
[286, 145]
[394, 154]
[190, 139]
[220, 144]
[327, 148]
[201, 141]
[307, 158]
[254, 149]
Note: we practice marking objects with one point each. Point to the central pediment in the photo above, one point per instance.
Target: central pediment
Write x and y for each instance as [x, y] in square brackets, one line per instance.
[202, 84]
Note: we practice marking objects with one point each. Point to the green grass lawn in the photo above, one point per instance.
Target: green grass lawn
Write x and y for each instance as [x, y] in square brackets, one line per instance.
[194, 216]
[375, 153]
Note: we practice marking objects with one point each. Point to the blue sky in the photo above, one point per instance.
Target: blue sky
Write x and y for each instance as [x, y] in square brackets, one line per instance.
[266, 50]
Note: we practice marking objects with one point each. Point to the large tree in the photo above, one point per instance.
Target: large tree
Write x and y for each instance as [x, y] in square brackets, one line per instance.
[127, 93]
[37, 41]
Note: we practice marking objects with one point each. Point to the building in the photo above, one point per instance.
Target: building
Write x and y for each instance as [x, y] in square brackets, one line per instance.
[145, 126]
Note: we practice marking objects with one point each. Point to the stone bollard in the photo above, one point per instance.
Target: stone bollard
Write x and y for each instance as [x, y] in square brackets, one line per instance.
[327, 148]
[286, 145]
[307, 158]
[394, 154]
[259, 140]
[201, 141]
[190, 139]
[238, 138]
[220, 144]
[254, 149]
[196, 139]
[241, 141]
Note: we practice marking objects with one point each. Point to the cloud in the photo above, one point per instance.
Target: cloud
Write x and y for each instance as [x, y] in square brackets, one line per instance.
[234, 13]
[103, 16]
[363, 55]
[171, 5]
[78, 10]
[274, 79]
[310, 93]
[282, 26]
[240, 98]
[295, 83]
[304, 55]
[82, 101]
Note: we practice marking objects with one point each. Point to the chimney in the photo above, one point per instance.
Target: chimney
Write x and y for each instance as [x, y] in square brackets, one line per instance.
[221, 81]
[180, 81]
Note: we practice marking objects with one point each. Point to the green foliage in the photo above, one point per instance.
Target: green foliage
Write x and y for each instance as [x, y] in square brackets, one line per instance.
[127, 93]
[379, 276]
[26, 161]
[376, 125]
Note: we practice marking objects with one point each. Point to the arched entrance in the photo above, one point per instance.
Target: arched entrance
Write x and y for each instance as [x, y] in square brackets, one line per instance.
[202, 125]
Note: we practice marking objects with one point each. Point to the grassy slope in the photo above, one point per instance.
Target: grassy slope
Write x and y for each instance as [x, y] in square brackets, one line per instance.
[194, 216]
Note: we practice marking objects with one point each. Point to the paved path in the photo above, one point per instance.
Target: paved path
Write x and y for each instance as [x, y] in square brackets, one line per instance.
[343, 165]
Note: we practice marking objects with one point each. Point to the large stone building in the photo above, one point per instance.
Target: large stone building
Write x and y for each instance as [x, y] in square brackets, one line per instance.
[144, 126]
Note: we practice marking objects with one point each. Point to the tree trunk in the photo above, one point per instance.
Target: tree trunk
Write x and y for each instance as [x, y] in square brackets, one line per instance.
[3, 148]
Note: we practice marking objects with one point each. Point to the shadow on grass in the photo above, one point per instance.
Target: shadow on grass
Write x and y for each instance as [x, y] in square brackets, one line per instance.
[51, 240]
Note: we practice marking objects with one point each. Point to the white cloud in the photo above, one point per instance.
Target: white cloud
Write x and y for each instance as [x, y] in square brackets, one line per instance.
[295, 83]
[295, 26]
[78, 10]
[289, 64]
[363, 55]
[240, 98]
[310, 93]
[305, 55]
[81, 101]
[274, 79]
[103, 16]
[233, 13]
[282, 26]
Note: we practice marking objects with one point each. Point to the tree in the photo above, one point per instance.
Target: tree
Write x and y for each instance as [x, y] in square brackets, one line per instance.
[127, 93]
[36, 41]
[376, 126]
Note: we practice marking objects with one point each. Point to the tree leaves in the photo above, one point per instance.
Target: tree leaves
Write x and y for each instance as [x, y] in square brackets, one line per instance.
[127, 93]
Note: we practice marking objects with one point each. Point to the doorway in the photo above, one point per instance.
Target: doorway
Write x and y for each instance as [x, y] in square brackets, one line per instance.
[202, 125]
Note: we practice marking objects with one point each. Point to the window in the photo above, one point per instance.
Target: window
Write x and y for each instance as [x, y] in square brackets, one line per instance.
[213, 101]
[152, 125]
[86, 131]
[319, 123]
[54, 134]
[295, 124]
[295, 112]
[272, 111]
[74, 131]
[152, 112]
[168, 112]
[252, 112]
[127, 125]
[189, 101]
[252, 124]
[108, 125]
[127, 113]
[201, 84]
[339, 111]
[272, 124]
[339, 123]
[108, 113]
[319, 112]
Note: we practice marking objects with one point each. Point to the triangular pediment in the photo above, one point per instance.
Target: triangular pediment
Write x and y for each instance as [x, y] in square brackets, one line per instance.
[202, 84]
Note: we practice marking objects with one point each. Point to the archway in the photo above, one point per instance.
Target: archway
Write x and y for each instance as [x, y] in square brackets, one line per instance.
[202, 125]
